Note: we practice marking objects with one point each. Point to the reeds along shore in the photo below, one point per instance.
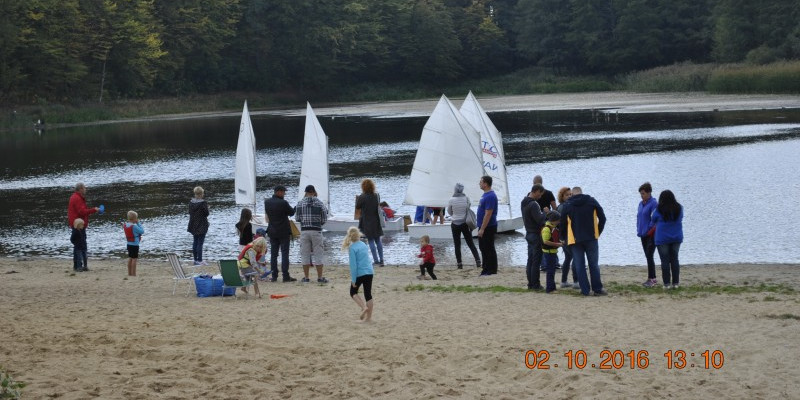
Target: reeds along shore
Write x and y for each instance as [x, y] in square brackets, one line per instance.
[101, 334]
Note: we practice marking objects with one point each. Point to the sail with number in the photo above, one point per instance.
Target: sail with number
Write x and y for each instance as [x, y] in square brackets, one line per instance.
[448, 153]
[491, 146]
[245, 176]
[314, 167]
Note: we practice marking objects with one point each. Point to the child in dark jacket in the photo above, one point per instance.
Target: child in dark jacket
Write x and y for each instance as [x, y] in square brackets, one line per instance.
[426, 254]
[78, 240]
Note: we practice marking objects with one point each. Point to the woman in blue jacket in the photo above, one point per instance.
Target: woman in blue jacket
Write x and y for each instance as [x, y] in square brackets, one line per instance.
[668, 220]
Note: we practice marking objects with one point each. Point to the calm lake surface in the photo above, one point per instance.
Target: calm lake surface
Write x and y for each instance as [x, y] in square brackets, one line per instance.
[735, 174]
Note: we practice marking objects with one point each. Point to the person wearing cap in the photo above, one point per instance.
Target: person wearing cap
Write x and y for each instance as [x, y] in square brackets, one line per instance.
[550, 245]
[279, 231]
[534, 220]
[311, 214]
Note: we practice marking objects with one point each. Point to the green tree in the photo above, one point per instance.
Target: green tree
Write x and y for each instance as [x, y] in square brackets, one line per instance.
[734, 29]
[428, 47]
[51, 48]
[686, 30]
[637, 37]
[542, 28]
[592, 33]
[11, 13]
[194, 34]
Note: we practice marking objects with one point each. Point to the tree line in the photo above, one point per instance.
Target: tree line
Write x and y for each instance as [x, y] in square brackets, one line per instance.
[65, 50]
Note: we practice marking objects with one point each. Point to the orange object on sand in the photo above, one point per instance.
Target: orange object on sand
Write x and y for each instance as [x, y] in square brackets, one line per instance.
[278, 296]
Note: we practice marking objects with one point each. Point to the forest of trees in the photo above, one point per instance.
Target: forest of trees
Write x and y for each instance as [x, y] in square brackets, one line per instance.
[65, 50]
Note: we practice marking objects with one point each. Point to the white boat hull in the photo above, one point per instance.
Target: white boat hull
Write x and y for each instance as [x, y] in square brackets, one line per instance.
[341, 224]
[259, 222]
[442, 231]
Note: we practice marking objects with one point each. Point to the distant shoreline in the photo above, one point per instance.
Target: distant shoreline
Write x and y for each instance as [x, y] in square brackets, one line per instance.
[621, 102]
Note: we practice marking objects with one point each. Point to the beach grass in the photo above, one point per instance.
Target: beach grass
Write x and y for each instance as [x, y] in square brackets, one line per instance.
[784, 316]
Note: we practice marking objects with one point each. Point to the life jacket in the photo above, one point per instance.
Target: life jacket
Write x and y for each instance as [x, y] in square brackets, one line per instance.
[554, 237]
[128, 232]
[244, 250]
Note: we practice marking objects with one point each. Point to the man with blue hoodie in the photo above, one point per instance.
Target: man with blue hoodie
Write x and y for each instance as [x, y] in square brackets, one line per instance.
[583, 220]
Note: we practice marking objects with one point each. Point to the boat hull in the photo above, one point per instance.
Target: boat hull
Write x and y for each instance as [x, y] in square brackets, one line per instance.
[442, 231]
[341, 224]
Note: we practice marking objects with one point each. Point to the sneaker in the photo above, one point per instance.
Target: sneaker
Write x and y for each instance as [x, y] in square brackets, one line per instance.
[565, 285]
[322, 280]
[273, 279]
[305, 280]
[676, 286]
[650, 283]
[203, 263]
[666, 286]
[381, 264]
[460, 266]
[576, 285]
[536, 288]
[289, 279]
[601, 293]
[197, 263]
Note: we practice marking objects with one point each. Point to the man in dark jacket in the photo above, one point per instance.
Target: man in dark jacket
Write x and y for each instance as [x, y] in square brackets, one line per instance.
[584, 220]
[533, 218]
[279, 231]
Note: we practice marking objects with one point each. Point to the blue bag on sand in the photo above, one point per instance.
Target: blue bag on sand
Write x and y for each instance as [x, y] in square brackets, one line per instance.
[204, 286]
[216, 290]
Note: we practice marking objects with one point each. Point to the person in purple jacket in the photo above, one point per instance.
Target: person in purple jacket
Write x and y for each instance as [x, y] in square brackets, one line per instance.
[668, 220]
[643, 216]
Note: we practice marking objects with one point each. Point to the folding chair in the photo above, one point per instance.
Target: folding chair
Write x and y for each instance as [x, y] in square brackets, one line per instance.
[180, 274]
[230, 276]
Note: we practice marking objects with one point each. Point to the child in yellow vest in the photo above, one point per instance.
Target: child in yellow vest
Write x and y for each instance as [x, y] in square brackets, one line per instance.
[550, 245]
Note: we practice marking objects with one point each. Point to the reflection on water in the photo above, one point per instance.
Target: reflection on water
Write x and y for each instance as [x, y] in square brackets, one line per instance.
[729, 178]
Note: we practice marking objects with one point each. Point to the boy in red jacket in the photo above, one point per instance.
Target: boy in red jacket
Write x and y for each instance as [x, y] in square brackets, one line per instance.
[426, 254]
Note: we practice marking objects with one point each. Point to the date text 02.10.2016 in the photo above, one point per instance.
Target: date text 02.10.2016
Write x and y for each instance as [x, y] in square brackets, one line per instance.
[618, 359]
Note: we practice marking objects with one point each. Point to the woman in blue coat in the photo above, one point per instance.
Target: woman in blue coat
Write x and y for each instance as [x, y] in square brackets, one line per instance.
[668, 220]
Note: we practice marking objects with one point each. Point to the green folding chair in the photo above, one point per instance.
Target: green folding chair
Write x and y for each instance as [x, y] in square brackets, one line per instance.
[230, 276]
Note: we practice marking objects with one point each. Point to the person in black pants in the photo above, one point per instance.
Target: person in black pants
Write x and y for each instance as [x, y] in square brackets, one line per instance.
[278, 212]
[533, 218]
[487, 220]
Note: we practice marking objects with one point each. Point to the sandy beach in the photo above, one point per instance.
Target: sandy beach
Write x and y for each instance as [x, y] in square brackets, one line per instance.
[100, 334]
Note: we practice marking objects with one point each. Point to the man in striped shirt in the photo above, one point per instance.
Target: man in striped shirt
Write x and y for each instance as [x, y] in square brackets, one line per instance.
[311, 214]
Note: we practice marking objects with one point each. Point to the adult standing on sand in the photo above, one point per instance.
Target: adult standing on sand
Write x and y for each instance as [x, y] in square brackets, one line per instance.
[668, 221]
[534, 220]
[279, 231]
[643, 216]
[547, 202]
[457, 208]
[370, 222]
[311, 213]
[487, 226]
[361, 271]
[585, 220]
[77, 209]
[198, 224]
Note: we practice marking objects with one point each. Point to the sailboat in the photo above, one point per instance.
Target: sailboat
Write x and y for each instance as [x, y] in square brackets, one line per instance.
[245, 172]
[448, 153]
[314, 171]
[493, 158]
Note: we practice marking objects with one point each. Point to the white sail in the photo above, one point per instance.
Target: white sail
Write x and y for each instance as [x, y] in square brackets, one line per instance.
[491, 146]
[245, 177]
[314, 169]
[447, 154]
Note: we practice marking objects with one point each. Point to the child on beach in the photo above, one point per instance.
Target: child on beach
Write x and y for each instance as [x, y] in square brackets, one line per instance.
[550, 245]
[426, 254]
[133, 233]
[248, 263]
[361, 271]
[387, 210]
[78, 240]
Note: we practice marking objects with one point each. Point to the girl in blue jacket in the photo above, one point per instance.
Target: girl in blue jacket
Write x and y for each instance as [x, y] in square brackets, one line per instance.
[361, 271]
[668, 220]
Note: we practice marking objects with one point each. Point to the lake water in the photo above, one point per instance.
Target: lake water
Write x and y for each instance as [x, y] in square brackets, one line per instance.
[735, 174]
